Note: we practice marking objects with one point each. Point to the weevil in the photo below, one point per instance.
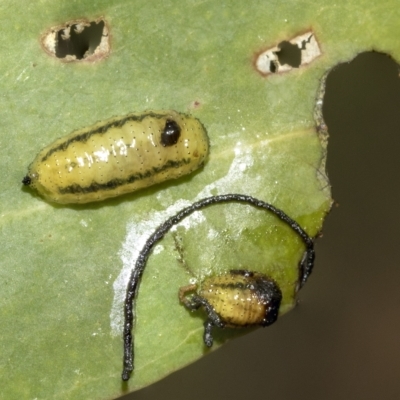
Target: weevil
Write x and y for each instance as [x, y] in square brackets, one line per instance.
[236, 299]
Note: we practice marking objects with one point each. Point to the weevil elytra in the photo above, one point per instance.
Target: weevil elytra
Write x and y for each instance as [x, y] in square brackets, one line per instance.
[271, 292]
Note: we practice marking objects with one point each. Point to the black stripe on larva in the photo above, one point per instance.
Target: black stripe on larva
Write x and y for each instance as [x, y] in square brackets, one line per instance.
[114, 183]
[100, 130]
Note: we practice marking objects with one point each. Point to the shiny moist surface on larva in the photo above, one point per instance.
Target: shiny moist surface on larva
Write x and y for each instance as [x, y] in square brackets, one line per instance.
[118, 156]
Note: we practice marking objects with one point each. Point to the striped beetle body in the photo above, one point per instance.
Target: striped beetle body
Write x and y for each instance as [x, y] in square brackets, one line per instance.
[235, 299]
[242, 298]
[119, 156]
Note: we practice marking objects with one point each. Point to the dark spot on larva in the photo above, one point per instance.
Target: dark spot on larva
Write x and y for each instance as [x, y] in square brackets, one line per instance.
[171, 133]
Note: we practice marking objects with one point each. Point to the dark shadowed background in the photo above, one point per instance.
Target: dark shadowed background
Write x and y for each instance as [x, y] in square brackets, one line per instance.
[343, 340]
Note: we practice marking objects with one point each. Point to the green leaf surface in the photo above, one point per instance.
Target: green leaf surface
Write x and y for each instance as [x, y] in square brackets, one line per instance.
[64, 269]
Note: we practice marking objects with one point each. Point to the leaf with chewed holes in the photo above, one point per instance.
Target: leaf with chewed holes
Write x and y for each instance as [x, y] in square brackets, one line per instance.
[64, 269]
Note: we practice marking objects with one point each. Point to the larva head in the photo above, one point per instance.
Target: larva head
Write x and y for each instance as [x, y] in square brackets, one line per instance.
[32, 180]
[27, 180]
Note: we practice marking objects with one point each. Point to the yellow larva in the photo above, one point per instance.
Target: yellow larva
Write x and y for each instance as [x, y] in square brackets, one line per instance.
[118, 156]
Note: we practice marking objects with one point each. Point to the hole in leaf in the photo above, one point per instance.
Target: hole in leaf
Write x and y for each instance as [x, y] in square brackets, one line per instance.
[359, 101]
[299, 51]
[374, 73]
[290, 53]
[78, 40]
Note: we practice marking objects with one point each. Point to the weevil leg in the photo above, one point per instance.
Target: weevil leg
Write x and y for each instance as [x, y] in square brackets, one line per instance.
[188, 302]
[194, 303]
[213, 319]
[208, 337]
